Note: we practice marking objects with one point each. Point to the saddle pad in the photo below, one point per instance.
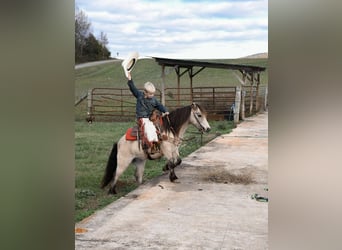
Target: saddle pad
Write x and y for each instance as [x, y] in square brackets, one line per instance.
[131, 134]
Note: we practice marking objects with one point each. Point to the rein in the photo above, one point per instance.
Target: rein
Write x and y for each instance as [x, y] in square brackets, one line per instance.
[174, 141]
[182, 139]
[172, 129]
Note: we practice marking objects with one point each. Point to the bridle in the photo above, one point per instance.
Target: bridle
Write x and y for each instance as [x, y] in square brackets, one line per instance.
[202, 129]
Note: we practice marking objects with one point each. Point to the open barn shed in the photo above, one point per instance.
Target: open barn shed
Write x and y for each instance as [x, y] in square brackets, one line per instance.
[218, 101]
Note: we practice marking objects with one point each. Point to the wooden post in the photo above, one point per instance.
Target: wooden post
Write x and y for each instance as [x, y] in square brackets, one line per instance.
[163, 85]
[237, 103]
[243, 94]
[178, 87]
[251, 103]
[90, 106]
[191, 94]
[257, 101]
[265, 100]
[242, 109]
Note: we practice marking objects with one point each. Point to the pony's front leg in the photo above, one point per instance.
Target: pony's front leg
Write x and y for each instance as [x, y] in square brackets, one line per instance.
[172, 175]
[170, 165]
[171, 153]
[175, 163]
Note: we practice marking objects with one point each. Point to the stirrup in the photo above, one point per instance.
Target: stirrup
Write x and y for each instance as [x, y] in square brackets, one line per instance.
[155, 148]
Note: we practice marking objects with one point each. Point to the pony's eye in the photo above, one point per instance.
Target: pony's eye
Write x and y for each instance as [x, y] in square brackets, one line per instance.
[199, 115]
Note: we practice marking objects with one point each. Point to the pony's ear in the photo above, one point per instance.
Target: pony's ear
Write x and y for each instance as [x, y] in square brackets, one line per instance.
[193, 105]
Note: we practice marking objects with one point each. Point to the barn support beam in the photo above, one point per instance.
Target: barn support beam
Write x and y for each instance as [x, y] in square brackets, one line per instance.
[243, 83]
[178, 85]
[237, 104]
[243, 94]
[257, 101]
[265, 100]
[163, 84]
[243, 80]
[251, 94]
[191, 91]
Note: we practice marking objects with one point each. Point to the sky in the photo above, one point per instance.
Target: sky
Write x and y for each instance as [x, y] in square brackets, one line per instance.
[180, 29]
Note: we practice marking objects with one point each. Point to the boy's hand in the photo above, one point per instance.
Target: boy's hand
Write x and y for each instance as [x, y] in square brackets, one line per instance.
[129, 76]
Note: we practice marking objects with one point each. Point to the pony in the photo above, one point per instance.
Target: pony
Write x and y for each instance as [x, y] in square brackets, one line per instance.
[174, 125]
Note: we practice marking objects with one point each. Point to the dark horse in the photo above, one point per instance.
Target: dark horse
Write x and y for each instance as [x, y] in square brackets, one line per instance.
[126, 151]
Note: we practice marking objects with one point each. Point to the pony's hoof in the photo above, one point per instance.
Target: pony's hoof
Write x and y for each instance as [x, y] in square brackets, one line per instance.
[179, 161]
[166, 168]
[173, 177]
[112, 191]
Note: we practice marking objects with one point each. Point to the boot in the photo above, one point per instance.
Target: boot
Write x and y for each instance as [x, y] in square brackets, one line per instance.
[155, 148]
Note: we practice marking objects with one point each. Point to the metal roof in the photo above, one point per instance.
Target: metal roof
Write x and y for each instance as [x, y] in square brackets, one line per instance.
[193, 63]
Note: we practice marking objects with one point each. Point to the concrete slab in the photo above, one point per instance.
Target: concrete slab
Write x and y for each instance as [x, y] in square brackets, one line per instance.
[209, 207]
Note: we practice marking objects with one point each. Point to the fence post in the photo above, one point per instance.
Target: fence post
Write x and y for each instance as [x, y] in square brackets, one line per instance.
[265, 101]
[237, 103]
[252, 100]
[257, 104]
[90, 105]
[163, 85]
[242, 109]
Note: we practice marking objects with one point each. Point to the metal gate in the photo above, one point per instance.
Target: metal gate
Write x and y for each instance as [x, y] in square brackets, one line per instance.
[118, 104]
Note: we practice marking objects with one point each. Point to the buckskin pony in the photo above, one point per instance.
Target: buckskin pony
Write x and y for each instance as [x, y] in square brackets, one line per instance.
[127, 151]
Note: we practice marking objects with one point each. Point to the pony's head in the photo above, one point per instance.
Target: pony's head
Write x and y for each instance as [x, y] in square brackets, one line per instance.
[198, 118]
[192, 114]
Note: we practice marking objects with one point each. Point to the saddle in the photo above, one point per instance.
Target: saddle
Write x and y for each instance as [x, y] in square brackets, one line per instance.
[137, 133]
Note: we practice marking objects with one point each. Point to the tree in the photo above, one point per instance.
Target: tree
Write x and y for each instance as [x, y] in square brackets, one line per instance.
[82, 30]
[92, 49]
[87, 47]
[103, 40]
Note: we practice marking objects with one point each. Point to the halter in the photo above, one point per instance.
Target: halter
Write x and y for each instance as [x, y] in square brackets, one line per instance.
[198, 121]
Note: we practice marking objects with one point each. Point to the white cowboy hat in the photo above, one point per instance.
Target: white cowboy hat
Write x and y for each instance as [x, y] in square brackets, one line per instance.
[129, 62]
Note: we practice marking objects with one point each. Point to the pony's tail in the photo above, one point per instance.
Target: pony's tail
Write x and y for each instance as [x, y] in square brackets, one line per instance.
[111, 167]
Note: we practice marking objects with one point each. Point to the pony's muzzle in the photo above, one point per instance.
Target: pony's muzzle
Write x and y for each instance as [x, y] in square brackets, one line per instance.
[203, 129]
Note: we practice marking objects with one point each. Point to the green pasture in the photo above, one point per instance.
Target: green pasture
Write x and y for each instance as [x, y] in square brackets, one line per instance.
[93, 142]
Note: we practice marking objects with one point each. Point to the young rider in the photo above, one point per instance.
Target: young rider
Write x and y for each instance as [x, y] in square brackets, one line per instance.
[146, 103]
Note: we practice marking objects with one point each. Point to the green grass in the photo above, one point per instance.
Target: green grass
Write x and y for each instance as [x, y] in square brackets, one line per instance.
[93, 143]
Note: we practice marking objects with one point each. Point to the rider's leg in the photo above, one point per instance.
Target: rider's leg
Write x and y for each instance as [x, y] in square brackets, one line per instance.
[150, 130]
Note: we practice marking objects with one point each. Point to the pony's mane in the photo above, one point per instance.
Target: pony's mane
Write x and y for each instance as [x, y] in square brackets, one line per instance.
[178, 118]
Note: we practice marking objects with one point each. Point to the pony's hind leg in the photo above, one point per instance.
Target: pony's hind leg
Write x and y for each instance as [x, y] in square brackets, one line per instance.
[122, 164]
[139, 169]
